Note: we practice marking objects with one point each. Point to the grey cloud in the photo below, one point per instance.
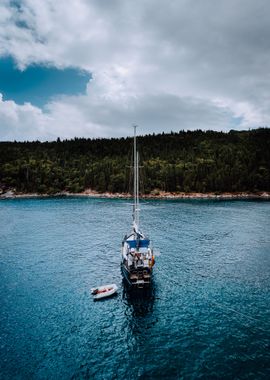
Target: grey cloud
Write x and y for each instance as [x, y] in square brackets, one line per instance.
[166, 65]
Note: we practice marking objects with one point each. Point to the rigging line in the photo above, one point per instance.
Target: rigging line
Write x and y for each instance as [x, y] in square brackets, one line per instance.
[142, 200]
[224, 307]
[237, 312]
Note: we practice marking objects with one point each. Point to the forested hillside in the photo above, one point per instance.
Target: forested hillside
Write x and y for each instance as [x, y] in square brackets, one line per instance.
[185, 161]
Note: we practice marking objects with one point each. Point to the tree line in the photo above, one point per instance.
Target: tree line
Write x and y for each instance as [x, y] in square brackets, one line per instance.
[185, 161]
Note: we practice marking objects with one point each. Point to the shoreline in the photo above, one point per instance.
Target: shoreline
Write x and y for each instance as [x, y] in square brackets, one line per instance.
[162, 195]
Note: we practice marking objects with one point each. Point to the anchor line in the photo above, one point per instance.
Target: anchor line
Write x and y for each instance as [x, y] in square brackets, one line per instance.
[222, 306]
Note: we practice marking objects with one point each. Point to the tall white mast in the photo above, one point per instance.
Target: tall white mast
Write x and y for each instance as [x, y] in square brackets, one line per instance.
[136, 184]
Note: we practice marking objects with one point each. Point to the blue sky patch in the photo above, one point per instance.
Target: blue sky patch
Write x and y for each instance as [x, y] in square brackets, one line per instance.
[38, 84]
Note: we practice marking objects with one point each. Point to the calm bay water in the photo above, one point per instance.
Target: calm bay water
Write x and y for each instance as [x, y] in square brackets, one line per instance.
[207, 315]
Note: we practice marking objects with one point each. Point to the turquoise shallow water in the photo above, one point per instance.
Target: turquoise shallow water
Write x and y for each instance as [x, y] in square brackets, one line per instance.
[206, 317]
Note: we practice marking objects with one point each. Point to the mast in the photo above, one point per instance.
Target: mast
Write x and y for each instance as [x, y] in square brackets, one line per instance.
[136, 184]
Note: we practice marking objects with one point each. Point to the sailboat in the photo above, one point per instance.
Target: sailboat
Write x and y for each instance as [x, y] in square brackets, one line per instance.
[137, 258]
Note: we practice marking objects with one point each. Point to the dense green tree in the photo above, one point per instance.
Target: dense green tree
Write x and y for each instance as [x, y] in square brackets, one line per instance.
[185, 161]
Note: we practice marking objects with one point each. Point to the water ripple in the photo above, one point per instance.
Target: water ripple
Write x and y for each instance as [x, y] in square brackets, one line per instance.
[206, 316]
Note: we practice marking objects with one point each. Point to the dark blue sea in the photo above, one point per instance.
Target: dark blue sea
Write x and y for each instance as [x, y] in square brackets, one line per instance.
[207, 315]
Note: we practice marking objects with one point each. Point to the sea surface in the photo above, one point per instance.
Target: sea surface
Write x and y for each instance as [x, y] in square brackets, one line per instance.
[207, 315]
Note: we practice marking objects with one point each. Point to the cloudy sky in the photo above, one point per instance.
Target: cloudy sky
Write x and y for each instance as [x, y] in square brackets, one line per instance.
[93, 68]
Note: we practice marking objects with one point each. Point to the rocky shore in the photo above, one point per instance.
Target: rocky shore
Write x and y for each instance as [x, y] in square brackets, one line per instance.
[12, 194]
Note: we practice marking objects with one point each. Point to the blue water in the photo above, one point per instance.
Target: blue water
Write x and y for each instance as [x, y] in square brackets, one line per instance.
[206, 317]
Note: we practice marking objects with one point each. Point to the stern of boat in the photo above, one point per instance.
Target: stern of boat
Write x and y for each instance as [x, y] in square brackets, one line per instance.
[137, 278]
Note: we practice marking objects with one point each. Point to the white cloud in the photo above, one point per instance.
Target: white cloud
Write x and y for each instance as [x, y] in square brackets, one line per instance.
[164, 65]
[21, 122]
[104, 115]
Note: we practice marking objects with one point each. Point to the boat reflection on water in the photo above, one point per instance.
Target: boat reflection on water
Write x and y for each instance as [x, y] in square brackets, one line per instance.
[139, 302]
